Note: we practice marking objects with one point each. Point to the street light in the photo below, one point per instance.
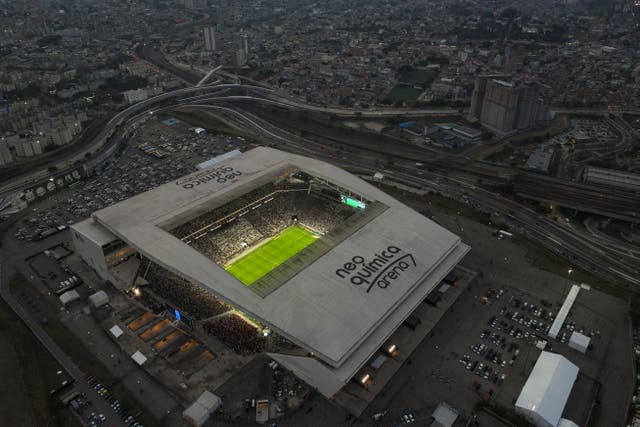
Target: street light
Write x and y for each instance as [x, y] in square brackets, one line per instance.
[569, 271]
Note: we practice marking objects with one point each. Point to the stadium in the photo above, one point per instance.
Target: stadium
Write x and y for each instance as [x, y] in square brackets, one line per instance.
[268, 243]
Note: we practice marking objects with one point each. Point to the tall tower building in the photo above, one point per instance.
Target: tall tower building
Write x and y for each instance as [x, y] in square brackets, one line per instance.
[477, 97]
[244, 43]
[241, 57]
[209, 39]
[506, 106]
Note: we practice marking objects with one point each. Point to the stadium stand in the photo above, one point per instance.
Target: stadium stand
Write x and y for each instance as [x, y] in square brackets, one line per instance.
[229, 230]
[189, 298]
[238, 334]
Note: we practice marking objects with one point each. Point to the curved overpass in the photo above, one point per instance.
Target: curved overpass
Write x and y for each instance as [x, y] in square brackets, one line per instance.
[578, 248]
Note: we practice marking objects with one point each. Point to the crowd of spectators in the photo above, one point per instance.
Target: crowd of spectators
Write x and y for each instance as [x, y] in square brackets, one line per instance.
[192, 300]
[225, 232]
[238, 334]
[235, 206]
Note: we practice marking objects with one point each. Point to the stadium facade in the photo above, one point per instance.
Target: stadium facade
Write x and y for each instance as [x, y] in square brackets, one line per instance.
[338, 298]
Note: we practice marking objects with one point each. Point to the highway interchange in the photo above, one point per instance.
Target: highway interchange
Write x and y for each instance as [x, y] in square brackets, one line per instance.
[588, 251]
[591, 250]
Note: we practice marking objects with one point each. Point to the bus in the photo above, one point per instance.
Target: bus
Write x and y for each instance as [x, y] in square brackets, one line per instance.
[502, 234]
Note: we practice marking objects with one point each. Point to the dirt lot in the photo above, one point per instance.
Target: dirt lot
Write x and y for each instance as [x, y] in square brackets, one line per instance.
[28, 372]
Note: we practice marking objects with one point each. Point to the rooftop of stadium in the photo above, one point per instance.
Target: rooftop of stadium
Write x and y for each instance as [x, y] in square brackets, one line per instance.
[347, 262]
[267, 235]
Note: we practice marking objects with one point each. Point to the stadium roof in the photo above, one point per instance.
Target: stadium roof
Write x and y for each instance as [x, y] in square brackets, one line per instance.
[329, 308]
[548, 387]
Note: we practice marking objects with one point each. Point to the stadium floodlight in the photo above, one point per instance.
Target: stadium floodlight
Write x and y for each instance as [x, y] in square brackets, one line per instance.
[365, 379]
[136, 291]
[266, 332]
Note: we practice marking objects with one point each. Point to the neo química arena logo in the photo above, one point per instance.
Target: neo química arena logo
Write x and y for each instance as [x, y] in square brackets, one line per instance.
[220, 174]
[381, 270]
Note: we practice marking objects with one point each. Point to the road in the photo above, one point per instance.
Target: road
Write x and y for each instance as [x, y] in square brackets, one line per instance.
[74, 372]
[619, 204]
[124, 120]
[227, 99]
[579, 250]
[615, 203]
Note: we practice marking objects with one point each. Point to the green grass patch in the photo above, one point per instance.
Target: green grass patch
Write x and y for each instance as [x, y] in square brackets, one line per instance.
[206, 121]
[258, 73]
[416, 77]
[403, 92]
[252, 266]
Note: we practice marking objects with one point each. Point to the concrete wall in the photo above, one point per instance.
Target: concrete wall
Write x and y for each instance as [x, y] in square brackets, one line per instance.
[91, 253]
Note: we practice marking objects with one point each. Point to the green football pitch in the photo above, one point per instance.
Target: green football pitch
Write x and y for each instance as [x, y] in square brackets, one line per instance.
[268, 256]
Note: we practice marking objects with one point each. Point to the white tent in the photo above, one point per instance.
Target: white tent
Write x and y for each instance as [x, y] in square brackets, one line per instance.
[116, 331]
[209, 401]
[139, 358]
[69, 296]
[567, 423]
[564, 311]
[198, 413]
[579, 342]
[444, 416]
[547, 389]
[99, 299]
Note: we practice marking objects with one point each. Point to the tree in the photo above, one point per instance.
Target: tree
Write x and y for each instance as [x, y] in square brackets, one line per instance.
[123, 83]
[509, 14]
[486, 135]
[52, 39]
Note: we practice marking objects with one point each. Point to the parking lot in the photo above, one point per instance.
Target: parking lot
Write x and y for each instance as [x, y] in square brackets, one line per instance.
[96, 419]
[57, 276]
[483, 349]
[493, 313]
[155, 154]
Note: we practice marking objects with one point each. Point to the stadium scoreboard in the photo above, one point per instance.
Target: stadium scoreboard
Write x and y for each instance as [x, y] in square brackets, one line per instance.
[352, 202]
